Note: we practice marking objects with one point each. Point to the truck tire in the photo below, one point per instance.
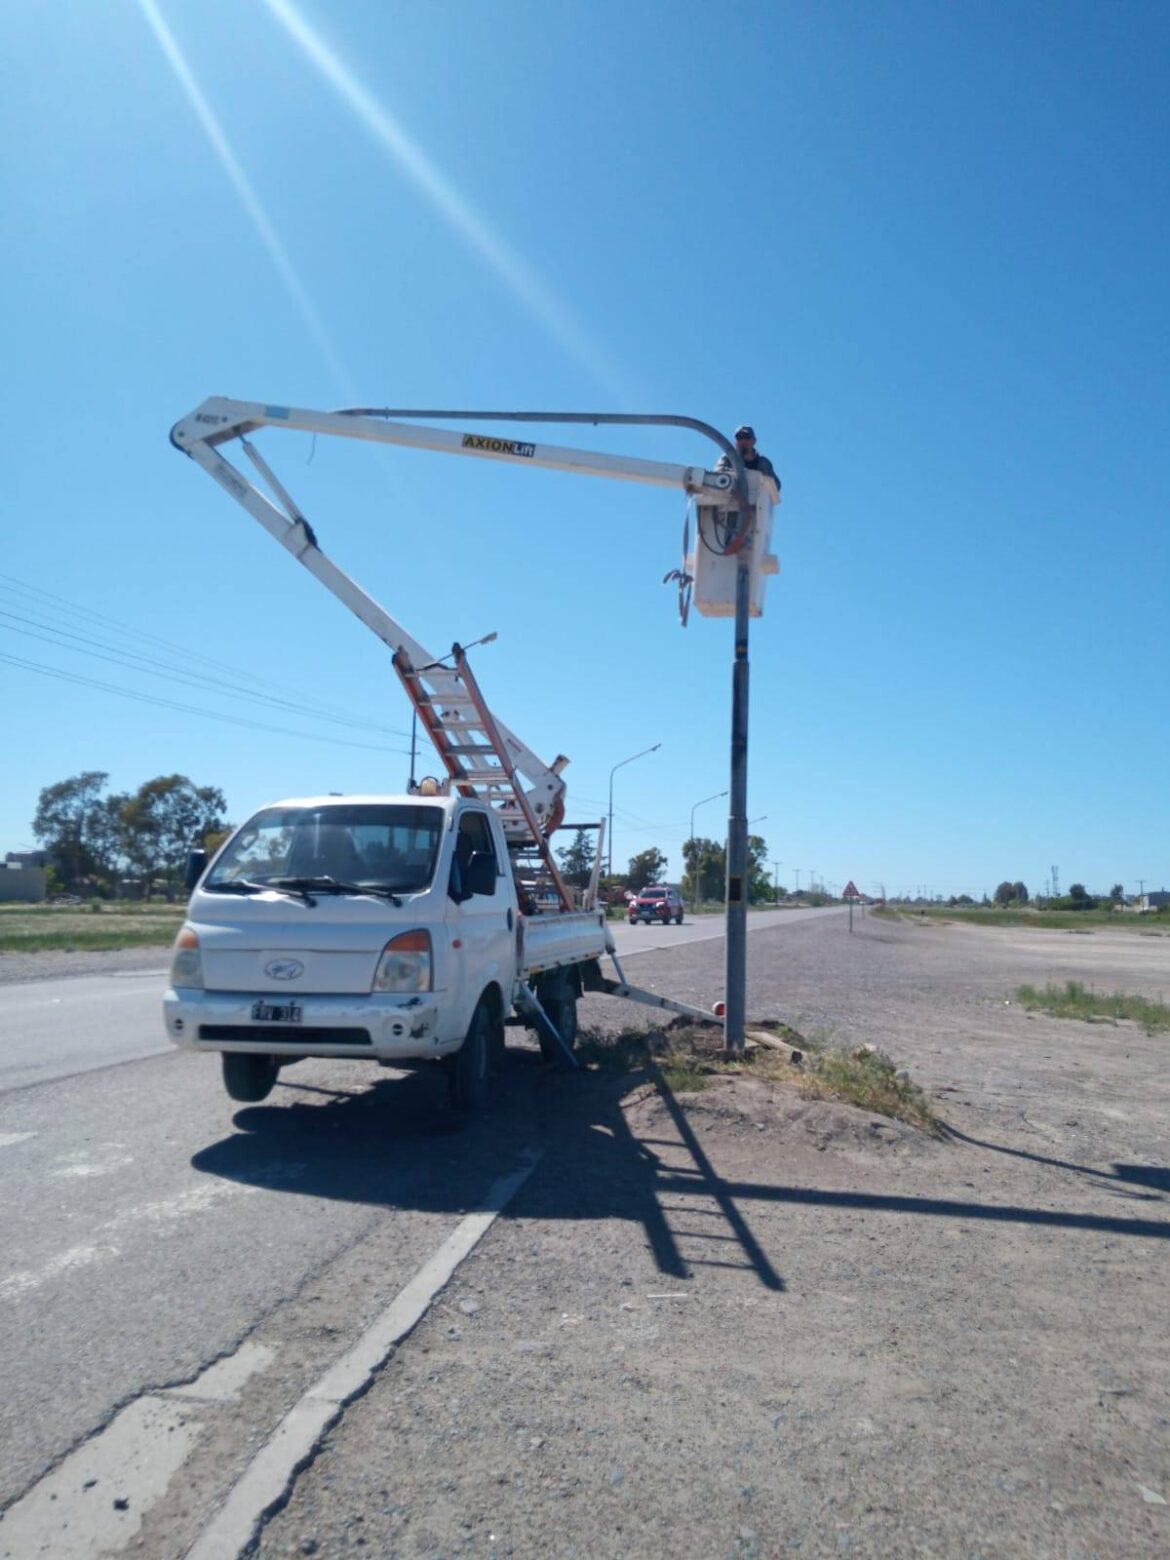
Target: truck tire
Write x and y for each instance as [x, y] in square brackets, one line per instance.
[560, 1003]
[248, 1078]
[467, 1070]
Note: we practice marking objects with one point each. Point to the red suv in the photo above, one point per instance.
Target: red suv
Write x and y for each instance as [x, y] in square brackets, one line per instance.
[656, 904]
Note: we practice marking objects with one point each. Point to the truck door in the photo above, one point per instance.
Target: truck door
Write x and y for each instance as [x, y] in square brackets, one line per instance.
[479, 921]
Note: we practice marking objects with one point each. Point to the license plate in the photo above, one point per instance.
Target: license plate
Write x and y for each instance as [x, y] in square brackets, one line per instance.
[276, 1012]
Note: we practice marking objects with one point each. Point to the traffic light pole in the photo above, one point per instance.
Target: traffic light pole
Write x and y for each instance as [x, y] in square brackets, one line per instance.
[735, 987]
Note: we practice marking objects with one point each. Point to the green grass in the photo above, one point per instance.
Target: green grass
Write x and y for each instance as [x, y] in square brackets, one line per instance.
[1051, 920]
[869, 1079]
[1075, 1000]
[76, 928]
[686, 1059]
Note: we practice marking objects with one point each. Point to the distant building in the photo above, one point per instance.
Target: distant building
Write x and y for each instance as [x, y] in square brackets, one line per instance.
[27, 858]
[1157, 900]
[22, 884]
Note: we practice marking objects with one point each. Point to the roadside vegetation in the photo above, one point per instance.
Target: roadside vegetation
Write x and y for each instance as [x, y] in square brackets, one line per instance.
[688, 1058]
[87, 928]
[1075, 1000]
[1150, 922]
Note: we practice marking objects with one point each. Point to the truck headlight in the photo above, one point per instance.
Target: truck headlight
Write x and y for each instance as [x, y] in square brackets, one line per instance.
[187, 962]
[405, 964]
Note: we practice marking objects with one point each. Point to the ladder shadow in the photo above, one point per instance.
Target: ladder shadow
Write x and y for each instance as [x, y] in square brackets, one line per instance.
[396, 1145]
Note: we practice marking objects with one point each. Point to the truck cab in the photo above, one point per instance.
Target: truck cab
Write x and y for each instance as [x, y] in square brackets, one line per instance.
[384, 928]
[365, 926]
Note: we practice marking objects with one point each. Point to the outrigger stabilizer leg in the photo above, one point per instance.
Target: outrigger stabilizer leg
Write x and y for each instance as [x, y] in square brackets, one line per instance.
[594, 980]
[530, 1005]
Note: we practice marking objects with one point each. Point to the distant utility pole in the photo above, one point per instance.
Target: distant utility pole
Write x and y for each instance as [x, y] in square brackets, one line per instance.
[1141, 883]
[1055, 883]
[798, 871]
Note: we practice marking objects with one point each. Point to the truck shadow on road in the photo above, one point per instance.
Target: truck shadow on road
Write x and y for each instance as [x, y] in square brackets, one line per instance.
[396, 1145]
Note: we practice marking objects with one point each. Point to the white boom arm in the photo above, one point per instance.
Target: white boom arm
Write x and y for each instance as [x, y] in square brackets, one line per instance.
[219, 420]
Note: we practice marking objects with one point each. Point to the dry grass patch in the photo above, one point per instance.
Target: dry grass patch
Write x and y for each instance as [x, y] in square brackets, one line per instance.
[869, 1079]
[1075, 1000]
[98, 926]
[687, 1058]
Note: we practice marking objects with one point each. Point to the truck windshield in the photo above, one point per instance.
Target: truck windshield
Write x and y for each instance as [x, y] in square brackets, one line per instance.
[373, 846]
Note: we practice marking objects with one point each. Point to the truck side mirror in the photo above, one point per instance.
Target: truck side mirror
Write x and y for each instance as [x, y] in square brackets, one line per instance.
[196, 866]
[480, 877]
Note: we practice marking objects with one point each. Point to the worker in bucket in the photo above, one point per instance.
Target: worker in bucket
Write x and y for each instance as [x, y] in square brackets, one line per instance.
[745, 443]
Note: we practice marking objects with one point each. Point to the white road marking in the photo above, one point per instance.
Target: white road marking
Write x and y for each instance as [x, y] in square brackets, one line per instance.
[71, 1513]
[7, 1139]
[17, 1285]
[110, 1157]
[95, 1502]
[274, 1468]
[195, 1200]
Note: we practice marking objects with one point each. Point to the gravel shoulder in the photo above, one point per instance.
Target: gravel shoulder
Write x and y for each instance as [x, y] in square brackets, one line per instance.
[746, 1323]
[49, 964]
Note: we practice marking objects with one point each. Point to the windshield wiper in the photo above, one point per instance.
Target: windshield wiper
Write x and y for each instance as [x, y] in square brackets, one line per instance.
[250, 886]
[331, 885]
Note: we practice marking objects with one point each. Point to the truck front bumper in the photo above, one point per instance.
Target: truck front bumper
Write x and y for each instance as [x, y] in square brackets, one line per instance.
[380, 1026]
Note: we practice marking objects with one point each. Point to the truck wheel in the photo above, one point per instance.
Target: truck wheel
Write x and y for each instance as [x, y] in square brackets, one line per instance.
[467, 1070]
[248, 1078]
[561, 1007]
[678, 919]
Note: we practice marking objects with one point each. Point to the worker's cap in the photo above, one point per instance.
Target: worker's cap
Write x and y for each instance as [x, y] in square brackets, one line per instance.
[745, 431]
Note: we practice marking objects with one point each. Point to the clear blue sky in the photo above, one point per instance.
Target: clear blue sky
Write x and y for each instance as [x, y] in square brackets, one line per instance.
[921, 247]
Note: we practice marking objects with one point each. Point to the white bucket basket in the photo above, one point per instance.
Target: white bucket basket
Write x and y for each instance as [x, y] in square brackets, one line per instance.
[713, 571]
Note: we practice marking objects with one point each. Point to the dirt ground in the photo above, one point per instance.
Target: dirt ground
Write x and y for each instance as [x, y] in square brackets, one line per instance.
[741, 1322]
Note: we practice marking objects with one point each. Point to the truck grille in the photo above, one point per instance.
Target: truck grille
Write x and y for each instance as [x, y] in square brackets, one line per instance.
[285, 1034]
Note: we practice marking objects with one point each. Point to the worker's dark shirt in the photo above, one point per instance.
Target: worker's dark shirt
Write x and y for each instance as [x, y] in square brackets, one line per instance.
[756, 462]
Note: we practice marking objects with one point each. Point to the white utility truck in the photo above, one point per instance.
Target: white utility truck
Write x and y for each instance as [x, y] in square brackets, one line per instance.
[381, 927]
[404, 928]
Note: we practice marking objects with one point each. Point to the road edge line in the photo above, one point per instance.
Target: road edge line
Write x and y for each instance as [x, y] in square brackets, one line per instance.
[266, 1484]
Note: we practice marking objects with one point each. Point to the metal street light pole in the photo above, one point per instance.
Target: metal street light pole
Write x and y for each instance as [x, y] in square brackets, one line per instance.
[613, 771]
[735, 1013]
[695, 869]
[747, 864]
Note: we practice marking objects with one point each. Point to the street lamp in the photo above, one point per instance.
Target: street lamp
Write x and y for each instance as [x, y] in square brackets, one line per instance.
[695, 869]
[613, 771]
[776, 865]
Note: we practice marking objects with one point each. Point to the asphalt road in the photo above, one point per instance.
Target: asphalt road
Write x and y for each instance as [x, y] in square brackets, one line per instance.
[60, 1028]
[149, 1226]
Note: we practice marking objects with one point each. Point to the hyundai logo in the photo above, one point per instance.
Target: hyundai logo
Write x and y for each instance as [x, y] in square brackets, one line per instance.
[284, 969]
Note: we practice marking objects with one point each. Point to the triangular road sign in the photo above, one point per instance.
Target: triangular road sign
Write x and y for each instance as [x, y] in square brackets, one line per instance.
[850, 891]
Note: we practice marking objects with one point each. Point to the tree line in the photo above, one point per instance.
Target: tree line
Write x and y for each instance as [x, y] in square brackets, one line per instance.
[704, 875]
[98, 841]
[1077, 898]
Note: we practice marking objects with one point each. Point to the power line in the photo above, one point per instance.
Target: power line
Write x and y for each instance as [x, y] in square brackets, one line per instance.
[188, 709]
[97, 649]
[50, 601]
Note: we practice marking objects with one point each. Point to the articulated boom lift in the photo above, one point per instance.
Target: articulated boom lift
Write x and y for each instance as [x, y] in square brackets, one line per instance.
[481, 755]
